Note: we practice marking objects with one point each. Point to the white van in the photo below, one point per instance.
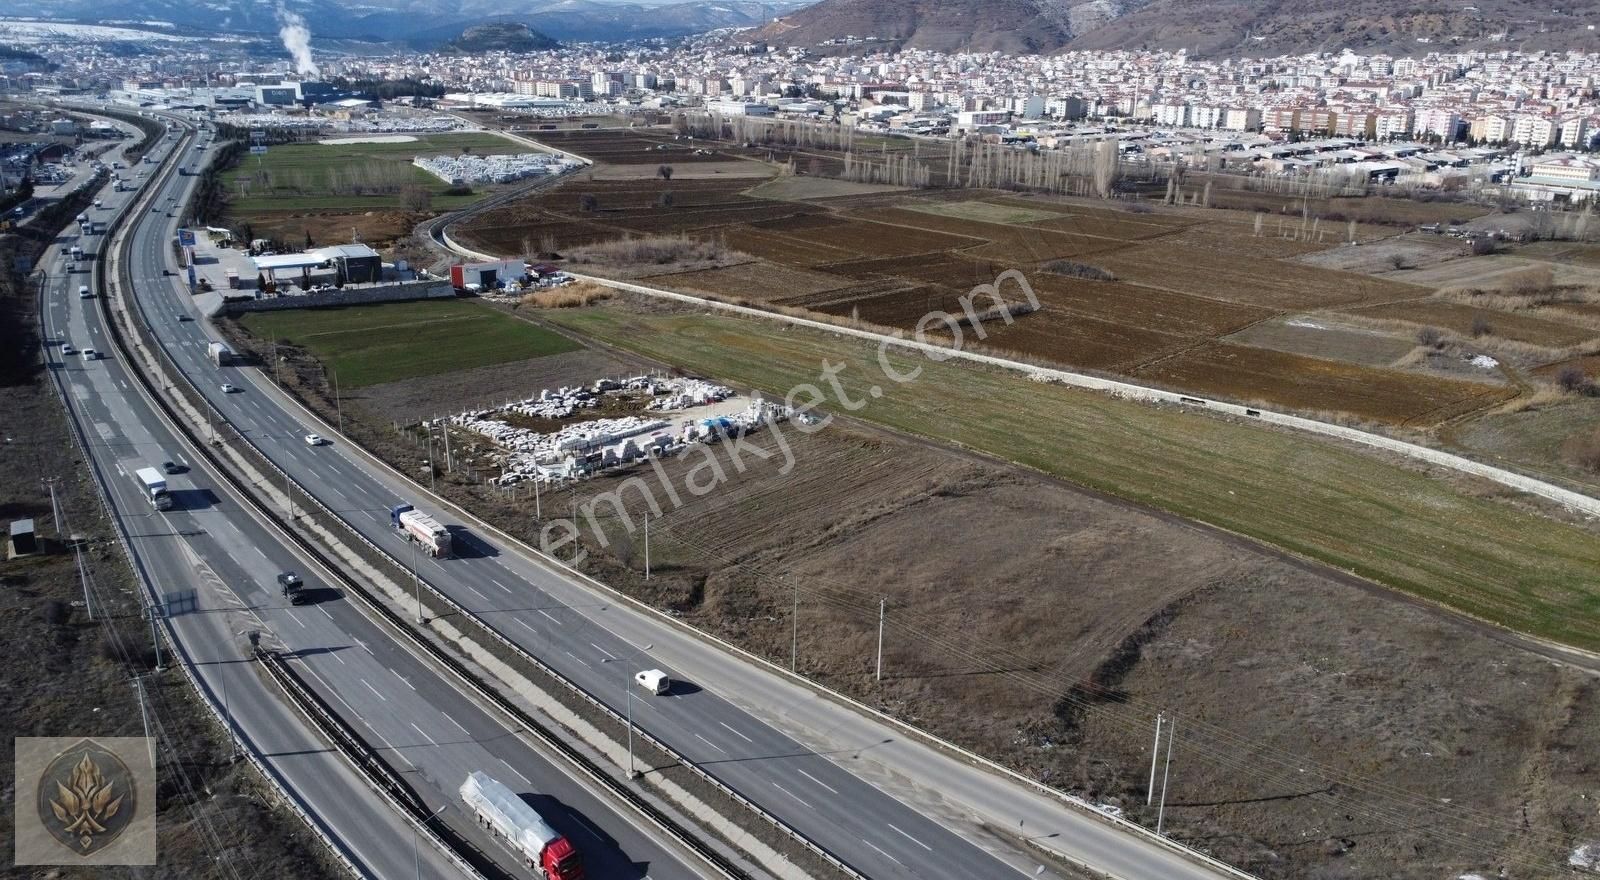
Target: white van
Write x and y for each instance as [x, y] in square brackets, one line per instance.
[654, 680]
[83, 292]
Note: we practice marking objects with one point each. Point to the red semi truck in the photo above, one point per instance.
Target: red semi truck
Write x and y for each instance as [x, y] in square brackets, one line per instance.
[520, 828]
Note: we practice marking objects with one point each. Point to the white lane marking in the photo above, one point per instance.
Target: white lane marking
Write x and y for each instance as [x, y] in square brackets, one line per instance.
[458, 725]
[500, 585]
[259, 553]
[881, 852]
[525, 779]
[526, 625]
[375, 691]
[710, 743]
[547, 615]
[475, 592]
[403, 678]
[602, 650]
[325, 612]
[577, 658]
[296, 618]
[364, 646]
[816, 780]
[793, 795]
[424, 735]
[338, 658]
[587, 826]
[909, 837]
[390, 745]
[736, 733]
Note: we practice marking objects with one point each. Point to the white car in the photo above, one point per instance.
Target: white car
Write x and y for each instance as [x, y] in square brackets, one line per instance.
[90, 354]
[314, 440]
[228, 389]
[66, 348]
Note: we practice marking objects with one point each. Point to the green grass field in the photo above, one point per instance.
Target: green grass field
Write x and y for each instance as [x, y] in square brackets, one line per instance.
[309, 177]
[369, 345]
[1394, 525]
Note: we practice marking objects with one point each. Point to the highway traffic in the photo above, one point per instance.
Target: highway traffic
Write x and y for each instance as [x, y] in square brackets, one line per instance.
[215, 565]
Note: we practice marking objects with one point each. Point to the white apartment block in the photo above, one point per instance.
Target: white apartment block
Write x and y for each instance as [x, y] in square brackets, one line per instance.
[1535, 131]
[1241, 119]
[1394, 124]
[1574, 132]
[1175, 115]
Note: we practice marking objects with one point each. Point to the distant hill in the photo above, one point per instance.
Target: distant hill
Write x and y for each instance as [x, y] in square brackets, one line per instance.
[423, 23]
[506, 36]
[1204, 27]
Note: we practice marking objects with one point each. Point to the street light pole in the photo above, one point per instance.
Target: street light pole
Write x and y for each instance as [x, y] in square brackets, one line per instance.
[415, 580]
[416, 856]
[794, 629]
[632, 770]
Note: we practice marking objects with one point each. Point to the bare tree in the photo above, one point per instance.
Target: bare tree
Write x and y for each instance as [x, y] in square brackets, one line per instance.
[416, 198]
[664, 172]
[587, 203]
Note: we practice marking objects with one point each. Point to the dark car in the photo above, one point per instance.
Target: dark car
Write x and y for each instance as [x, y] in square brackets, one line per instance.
[172, 467]
[294, 589]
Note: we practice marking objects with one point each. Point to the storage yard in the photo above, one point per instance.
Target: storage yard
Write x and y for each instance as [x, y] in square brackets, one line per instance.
[1186, 279]
[328, 189]
[477, 170]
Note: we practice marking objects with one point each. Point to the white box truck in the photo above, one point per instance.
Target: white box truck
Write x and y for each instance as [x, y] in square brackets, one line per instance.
[221, 355]
[155, 488]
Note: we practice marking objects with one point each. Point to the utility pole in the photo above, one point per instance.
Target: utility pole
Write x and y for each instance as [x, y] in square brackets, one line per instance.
[431, 484]
[1161, 811]
[1155, 752]
[647, 546]
[144, 716]
[416, 581]
[155, 637]
[55, 509]
[338, 408]
[277, 376]
[227, 717]
[83, 578]
[794, 629]
[288, 500]
[449, 463]
[538, 515]
[882, 604]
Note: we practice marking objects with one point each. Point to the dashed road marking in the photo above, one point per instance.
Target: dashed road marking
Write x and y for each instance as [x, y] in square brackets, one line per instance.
[793, 795]
[909, 837]
[375, 691]
[710, 743]
[881, 852]
[424, 734]
[736, 733]
[816, 780]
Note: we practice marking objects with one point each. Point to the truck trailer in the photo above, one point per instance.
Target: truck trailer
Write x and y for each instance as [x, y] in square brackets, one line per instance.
[421, 528]
[220, 354]
[155, 488]
[520, 828]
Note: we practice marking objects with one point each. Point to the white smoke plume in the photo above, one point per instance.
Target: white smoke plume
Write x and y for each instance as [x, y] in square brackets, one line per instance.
[296, 38]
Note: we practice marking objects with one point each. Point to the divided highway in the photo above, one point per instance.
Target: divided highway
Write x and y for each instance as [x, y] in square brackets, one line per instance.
[599, 644]
[216, 564]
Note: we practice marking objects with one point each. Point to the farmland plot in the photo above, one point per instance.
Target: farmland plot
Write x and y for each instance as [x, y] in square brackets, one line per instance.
[1461, 319]
[757, 281]
[1271, 283]
[1291, 381]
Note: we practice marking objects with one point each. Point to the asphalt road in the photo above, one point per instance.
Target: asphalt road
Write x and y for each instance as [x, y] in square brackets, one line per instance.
[599, 646]
[208, 543]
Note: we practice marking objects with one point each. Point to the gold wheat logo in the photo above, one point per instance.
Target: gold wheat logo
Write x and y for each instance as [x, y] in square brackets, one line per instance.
[92, 799]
